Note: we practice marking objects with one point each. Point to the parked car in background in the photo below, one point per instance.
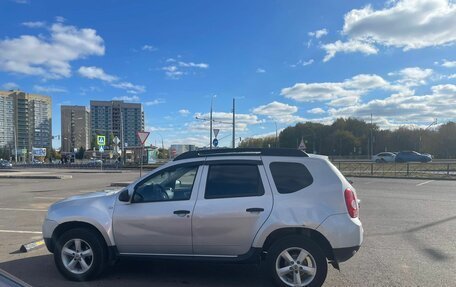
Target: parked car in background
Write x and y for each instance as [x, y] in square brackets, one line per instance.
[384, 157]
[5, 164]
[36, 161]
[95, 161]
[412, 156]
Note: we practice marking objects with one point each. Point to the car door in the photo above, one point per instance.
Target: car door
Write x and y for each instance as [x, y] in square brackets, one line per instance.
[233, 203]
[158, 218]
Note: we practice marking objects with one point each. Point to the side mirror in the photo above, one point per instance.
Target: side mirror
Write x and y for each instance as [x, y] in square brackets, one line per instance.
[124, 196]
[178, 182]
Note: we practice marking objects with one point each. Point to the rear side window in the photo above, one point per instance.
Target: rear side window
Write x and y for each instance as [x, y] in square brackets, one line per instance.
[290, 177]
[233, 180]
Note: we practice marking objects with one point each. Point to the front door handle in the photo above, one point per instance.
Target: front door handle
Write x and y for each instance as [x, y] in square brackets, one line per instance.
[255, 209]
[181, 212]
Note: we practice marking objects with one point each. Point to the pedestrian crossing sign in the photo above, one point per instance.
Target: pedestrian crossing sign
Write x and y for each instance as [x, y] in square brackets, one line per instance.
[101, 140]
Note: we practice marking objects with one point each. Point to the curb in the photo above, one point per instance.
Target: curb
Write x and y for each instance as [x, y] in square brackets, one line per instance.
[120, 184]
[403, 177]
[31, 246]
[37, 176]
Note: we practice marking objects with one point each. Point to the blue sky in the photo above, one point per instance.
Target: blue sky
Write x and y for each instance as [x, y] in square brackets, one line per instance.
[284, 61]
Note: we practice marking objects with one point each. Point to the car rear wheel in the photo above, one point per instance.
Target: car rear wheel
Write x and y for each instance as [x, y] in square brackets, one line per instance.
[80, 254]
[297, 261]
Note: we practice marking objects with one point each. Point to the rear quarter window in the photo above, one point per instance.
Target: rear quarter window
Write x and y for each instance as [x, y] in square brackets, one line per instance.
[290, 177]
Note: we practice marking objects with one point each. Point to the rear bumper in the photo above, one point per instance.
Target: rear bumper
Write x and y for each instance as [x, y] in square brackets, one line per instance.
[343, 254]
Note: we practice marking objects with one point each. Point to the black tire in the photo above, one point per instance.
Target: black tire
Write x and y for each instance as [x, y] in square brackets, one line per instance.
[98, 260]
[378, 160]
[302, 242]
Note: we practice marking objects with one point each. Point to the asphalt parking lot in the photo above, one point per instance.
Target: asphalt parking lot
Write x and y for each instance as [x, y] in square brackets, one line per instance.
[410, 229]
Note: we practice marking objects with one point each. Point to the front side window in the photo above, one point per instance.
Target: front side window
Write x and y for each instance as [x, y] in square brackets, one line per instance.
[290, 177]
[171, 184]
[233, 180]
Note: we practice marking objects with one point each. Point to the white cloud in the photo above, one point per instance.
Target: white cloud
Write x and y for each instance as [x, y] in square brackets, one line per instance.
[129, 87]
[260, 70]
[99, 73]
[173, 72]
[453, 76]
[50, 89]
[155, 102]
[406, 24]
[413, 76]
[194, 65]
[316, 111]
[306, 63]
[275, 109]
[60, 19]
[96, 73]
[184, 112]
[302, 63]
[149, 48]
[10, 86]
[279, 112]
[449, 64]
[348, 47]
[223, 121]
[134, 99]
[417, 24]
[343, 93]
[21, 1]
[49, 57]
[176, 69]
[36, 24]
[319, 33]
[405, 108]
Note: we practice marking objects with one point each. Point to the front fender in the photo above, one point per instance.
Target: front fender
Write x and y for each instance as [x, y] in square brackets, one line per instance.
[96, 211]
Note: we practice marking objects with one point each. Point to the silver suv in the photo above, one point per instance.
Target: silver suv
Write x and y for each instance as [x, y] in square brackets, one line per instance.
[287, 210]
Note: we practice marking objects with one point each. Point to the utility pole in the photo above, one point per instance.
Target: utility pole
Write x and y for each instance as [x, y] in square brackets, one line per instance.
[15, 142]
[372, 140]
[122, 147]
[234, 123]
[276, 138]
[210, 126]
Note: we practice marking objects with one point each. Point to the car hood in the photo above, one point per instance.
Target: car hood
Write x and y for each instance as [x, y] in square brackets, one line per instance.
[92, 195]
[84, 204]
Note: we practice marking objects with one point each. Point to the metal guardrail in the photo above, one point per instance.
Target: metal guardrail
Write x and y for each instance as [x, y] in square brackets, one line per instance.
[439, 170]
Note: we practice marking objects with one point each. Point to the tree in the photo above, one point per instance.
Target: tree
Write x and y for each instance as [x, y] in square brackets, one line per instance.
[80, 153]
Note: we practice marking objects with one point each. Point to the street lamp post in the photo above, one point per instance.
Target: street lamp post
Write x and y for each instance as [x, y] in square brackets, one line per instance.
[421, 133]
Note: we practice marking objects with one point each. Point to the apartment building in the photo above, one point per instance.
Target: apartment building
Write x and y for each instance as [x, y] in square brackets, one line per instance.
[25, 122]
[75, 128]
[117, 118]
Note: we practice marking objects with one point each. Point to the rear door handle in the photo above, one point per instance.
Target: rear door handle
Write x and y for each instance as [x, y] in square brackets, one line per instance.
[255, 209]
[181, 212]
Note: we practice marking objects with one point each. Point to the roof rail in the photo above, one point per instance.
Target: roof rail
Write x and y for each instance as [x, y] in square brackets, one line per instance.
[241, 152]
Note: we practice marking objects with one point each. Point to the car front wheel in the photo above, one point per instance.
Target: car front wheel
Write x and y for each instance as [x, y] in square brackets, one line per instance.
[80, 254]
[297, 261]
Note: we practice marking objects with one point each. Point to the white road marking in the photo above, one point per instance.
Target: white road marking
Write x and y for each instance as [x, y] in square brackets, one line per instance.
[49, 197]
[426, 182]
[21, 209]
[19, 231]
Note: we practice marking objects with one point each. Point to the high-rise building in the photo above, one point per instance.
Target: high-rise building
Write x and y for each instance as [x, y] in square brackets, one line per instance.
[117, 118]
[25, 122]
[75, 128]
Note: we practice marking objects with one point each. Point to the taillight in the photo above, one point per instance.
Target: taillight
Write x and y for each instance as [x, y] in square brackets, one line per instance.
[351, 202]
